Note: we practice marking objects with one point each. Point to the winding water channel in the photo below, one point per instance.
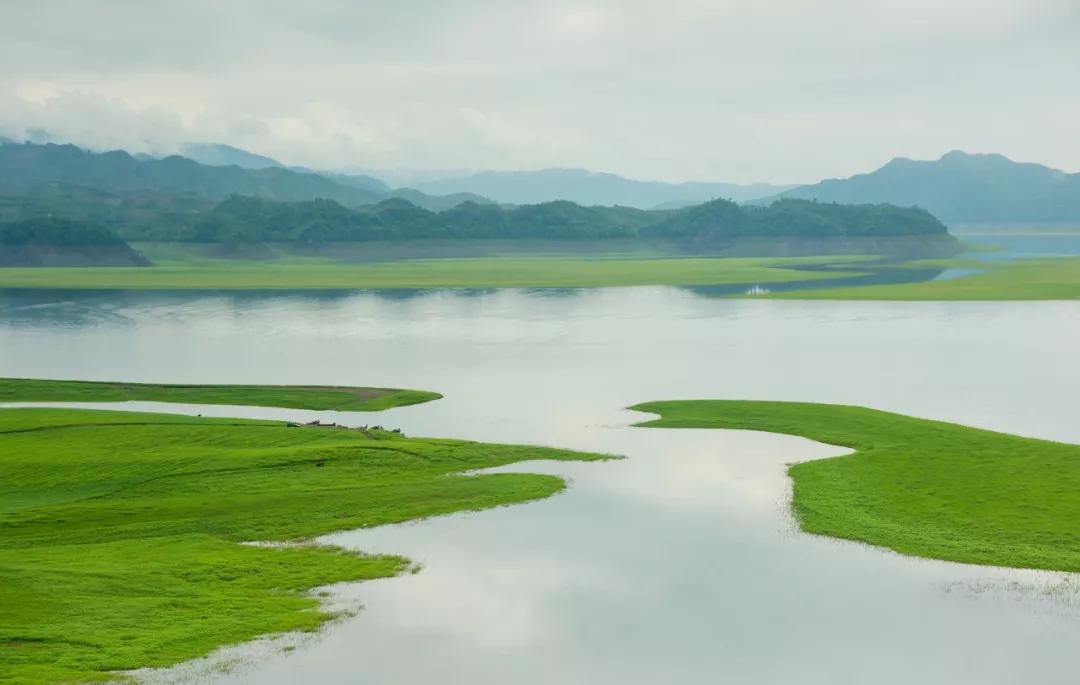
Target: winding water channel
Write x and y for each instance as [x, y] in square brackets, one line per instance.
[679, 564]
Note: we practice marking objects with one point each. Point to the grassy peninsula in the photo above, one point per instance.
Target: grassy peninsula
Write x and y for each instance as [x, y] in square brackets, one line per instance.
[1028, 279]
[120, 532]
[919, 487]
[320, 398]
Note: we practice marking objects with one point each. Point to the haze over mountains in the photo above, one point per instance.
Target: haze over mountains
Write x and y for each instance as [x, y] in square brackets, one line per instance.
[959, 188]
[592, 188]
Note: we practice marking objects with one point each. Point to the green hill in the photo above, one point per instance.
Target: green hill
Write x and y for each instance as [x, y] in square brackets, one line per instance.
[63, 242]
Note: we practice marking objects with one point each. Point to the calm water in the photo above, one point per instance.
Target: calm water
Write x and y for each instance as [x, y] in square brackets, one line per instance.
[1020, 246]
[676, 565]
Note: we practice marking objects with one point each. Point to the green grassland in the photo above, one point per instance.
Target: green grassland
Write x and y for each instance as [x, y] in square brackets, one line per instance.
[1029, 279]
[919, 487]
[538, 271]
[321, 398]
[120, 532]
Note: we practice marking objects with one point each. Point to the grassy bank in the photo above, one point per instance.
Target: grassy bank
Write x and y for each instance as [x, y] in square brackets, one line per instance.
[1030, 279]
[489, 272]
[919, 487]
[322, 398]
[119, 531]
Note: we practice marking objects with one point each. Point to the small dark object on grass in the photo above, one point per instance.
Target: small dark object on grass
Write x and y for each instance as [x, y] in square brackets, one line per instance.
[320, 463]
[292, 424]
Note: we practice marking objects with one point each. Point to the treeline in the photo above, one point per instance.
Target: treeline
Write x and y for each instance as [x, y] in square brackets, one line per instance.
[58, 232]
[251, 220]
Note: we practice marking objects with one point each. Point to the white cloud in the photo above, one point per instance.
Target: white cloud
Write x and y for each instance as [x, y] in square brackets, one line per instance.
[789, 90]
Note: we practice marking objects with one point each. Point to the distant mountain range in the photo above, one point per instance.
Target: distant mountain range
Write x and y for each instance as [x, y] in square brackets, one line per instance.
[218, 154]
[959, 188]
[589, 188]
[25, 169]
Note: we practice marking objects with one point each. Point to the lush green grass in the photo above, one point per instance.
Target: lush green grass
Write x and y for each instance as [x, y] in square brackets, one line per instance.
[1029, 279]
[291, 397]
[487, 272]
[119, 531]
[919, 487]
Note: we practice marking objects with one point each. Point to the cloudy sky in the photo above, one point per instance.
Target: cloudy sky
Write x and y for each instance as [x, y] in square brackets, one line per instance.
[726, 90]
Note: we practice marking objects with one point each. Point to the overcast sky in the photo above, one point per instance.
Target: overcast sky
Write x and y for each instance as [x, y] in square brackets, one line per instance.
[726, 90]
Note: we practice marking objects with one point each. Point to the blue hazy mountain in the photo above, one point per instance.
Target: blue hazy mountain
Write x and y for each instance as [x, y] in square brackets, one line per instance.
[590, 188]
[959, 187]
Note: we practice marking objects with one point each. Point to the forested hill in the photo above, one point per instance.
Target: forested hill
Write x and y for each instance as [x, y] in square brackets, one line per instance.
[242, 219]
[961, 188]
[47, 241]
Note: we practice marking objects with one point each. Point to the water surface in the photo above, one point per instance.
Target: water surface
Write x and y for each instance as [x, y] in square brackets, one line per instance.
[676, 565]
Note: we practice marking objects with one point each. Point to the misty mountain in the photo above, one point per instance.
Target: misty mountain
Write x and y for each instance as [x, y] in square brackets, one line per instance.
[219, 154]
[355, 180]
[438, 203]
[677, 204]
[24, 167]
[960, 187]
[590, 188]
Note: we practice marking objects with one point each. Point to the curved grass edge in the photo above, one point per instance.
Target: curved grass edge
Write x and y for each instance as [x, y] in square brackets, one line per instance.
[1044, 278]
[320, 398]
[919, 487]
[142, 566]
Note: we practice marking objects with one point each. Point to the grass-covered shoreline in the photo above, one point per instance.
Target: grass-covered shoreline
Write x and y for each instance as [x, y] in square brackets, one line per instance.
[543, 271]
[919, 487]
[1028, 279]
[320, 398]
[120, 532]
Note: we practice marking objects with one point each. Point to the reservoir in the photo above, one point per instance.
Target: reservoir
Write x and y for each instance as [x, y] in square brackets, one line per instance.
[680, 563]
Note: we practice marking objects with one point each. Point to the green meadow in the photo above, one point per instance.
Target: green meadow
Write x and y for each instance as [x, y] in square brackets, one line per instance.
[919, 487]
[120, 532]
[1029, 279]
[543, 271]
[321, 398]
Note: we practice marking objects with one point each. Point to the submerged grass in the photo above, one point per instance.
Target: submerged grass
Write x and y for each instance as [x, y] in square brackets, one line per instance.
[919, 487]
[120, 532]
[323, 398]
[485, 272]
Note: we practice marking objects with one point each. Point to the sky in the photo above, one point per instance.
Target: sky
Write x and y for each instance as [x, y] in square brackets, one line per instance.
[782, 91]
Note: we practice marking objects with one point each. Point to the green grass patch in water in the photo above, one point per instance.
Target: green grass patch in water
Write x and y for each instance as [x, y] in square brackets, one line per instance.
[321, 398]
[919, 487]
[120, 532]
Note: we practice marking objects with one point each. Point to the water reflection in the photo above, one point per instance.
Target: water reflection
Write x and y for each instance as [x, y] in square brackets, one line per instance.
[676, 565]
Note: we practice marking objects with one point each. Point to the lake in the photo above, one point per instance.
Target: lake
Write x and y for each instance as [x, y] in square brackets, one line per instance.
[679, 564]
